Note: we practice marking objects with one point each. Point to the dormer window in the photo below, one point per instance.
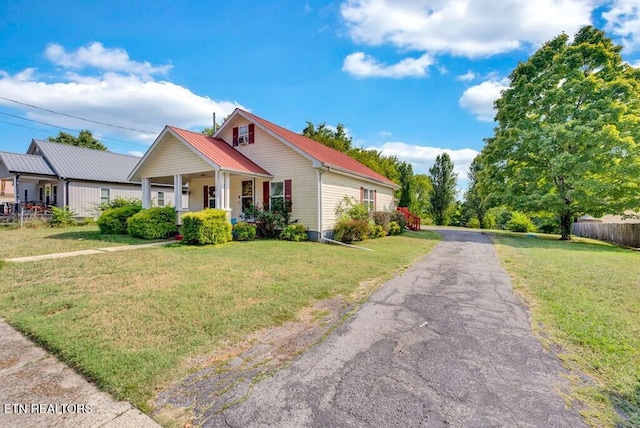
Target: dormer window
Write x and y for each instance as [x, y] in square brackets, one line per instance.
[243, 134]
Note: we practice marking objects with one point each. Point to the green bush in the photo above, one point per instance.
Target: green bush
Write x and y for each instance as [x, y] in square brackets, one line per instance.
[519, 222]
[546, 222]
[394, 228]
[473, 223]
[350, 209]
[114, 220]
[62, 217]
[117, 202]
[294, 232]
[244, 231]
[376, 231]
[153, 223]
[489, 221]
[209, 226]
[269, 221]
[400, 219]
[382, 218]
[349, 231]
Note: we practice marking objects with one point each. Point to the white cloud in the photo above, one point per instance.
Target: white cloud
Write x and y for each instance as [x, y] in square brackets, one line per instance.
[97, 56]
[623, 20]
[423, 157]
[463, 27]
[130, 99]
[467, 77]
[136, 153]
[479, 99]
[385, 134]
[360, 64]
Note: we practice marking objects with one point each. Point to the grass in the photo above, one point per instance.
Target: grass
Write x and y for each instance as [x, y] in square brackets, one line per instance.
[33, 242]
[586, 298]
[132, 320]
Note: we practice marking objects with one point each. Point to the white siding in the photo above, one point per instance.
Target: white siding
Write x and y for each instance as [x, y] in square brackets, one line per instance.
[336, 186]
[284, 164]
[84, 197]
[172, 157]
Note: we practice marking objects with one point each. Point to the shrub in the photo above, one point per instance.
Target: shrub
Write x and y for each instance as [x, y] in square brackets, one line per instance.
[473, 223]
[376, 231]
[349, 231]
[269, 221]
[114, 220]
[117, 202]
[382, 218]
[546, 222]
[153, 223]
[519, 222]
[394, 228]
[400, 219]
[489, 221]
[209, 226]
[349, 208]
[62, 217]
[244, 231]
[294, 232]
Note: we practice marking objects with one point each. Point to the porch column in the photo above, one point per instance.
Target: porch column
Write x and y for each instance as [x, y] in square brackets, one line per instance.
[218, 188]
[16, 191]
[146, 193]
[227, 191]
[177, 192]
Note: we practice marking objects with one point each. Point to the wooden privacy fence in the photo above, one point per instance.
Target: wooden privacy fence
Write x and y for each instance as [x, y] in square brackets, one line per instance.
[627, 234]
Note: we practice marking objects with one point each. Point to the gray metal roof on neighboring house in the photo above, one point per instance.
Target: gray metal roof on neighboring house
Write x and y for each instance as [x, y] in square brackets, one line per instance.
[25, 164]
[81, 163]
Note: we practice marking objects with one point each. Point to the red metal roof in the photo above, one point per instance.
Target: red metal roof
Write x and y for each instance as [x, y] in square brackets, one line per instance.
[219, 152]
[326, 155]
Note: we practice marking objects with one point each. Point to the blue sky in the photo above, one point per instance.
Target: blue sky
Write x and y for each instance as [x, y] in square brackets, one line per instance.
[409, 77]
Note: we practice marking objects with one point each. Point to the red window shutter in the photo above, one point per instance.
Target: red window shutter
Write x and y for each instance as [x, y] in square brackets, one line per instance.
[205, 191]
[362, 195]
[252, 130]
[235, 136]
[375, 200]
[287, 194]
[265, 194]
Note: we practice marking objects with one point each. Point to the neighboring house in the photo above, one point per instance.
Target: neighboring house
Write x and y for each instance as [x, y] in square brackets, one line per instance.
[54, 174]
[633, 219]
[252, 161]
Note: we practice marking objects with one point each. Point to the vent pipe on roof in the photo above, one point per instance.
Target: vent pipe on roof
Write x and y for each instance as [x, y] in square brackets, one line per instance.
[214, 122]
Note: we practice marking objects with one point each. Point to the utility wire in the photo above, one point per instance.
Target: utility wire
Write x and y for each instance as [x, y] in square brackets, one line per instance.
[77, 117]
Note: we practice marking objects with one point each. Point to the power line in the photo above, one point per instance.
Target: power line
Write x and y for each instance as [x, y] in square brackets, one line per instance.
[59, 127]
[77, 117]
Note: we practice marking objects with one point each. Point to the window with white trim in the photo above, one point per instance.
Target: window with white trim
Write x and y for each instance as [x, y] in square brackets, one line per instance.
[105, 195]
[276, 193]
[368, 199]
[243, 134]
[160, 199]
[247, 195]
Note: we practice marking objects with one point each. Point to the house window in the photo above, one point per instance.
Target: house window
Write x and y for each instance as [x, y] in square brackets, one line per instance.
[26, 195]
[55, 195]
[212, 196]
[369, 199]
[243, 134]
[104, 195]
[276, 194]
[160, 199]
[247, 194]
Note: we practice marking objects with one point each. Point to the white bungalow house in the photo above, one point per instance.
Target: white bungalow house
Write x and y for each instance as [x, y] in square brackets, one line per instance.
[252, 161]
[54, 174]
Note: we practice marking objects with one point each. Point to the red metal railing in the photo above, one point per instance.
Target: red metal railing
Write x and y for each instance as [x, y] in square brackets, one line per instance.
[413, 220]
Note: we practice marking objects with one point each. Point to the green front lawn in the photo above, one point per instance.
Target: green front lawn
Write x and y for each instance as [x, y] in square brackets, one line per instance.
[130, 320]
[46, 240]
[586, 298]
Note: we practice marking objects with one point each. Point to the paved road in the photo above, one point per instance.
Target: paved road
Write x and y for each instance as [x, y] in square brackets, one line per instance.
[445, 344]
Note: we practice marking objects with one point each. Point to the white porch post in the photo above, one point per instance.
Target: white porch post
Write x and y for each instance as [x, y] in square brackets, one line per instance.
[218, 188]
[146, 193]
[16, 191]
[227, 190]
[177, 192]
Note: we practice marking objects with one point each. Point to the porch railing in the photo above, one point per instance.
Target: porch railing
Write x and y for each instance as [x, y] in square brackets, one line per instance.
[413, 220]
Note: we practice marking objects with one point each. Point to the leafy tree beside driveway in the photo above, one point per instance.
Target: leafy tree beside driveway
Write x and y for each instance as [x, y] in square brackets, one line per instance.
[568, 132]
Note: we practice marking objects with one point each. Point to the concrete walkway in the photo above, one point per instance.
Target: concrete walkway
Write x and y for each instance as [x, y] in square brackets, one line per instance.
[86, 252]
[37, 390]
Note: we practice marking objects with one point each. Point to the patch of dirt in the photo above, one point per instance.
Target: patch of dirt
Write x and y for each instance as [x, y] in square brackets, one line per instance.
[226, 376]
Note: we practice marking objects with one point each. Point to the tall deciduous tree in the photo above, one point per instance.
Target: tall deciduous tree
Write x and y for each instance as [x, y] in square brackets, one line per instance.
[443, 179]
[474, 203]
[84, 139]
[421, 187]
[568, 130]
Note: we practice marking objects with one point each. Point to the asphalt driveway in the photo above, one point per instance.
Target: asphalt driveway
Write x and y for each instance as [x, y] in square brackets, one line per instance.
[445, 344]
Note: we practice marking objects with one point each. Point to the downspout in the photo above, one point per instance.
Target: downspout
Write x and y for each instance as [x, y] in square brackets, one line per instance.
[320, 232]
[66, 193]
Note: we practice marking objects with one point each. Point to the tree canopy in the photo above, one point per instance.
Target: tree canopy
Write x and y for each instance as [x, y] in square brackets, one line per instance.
[443, 197]
[84, 139]
[568, 124]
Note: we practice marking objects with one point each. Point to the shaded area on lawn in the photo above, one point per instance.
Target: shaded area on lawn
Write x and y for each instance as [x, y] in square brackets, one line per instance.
[131, 320]
[586, 297]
